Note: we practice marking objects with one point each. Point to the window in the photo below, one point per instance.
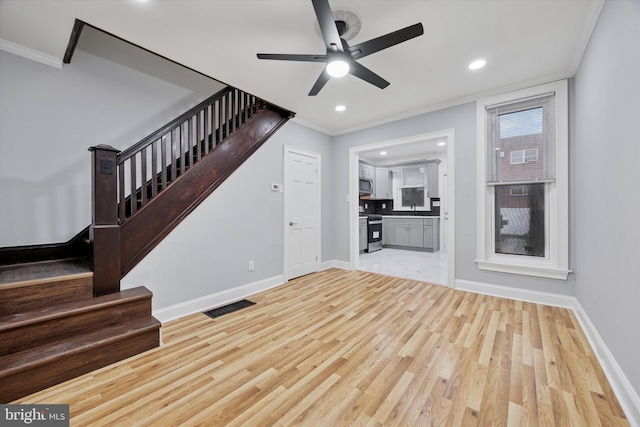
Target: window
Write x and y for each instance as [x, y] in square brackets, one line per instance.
[524, 156]
[523, 182]
[413, 197]
[409, 184]
[518, 190]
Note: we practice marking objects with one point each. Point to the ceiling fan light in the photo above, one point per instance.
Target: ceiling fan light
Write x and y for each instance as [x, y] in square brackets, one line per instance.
[338, 68]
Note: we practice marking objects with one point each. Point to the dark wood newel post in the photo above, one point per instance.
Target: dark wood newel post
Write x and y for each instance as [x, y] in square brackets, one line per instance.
[105, 230]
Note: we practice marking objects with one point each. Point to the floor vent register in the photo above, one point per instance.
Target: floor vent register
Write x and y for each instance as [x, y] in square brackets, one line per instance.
[229, 308]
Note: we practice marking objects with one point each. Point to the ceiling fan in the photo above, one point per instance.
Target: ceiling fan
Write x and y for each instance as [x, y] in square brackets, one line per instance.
[340, 57]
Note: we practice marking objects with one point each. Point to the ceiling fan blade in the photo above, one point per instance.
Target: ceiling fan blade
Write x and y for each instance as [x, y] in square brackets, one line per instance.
[374, 45]
[293, 57]
[327, 25]
[322, 80]
[367, 75]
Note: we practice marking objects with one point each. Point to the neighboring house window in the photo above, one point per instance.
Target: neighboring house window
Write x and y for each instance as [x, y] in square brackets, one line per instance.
[524, 156]
[523, 182]
[519, 190]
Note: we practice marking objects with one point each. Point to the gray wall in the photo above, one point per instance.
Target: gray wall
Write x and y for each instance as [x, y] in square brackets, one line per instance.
[50, 117]
[241, 221]
[605, 151]
[463, 120]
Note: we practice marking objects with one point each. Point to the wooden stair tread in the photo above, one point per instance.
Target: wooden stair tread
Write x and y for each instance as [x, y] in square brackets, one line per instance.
[72, 308]
[43, 271]
[28, 359]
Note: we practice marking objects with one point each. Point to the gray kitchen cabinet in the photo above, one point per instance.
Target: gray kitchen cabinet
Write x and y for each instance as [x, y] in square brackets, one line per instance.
[416, 236]
[388, 231]
[363, 234]
[433, 178]
[409, 232]
[431, 240]
[381, 184]
[428, 236]
[401, 235]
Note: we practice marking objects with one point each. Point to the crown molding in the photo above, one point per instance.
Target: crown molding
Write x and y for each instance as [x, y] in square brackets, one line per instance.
[29, 53]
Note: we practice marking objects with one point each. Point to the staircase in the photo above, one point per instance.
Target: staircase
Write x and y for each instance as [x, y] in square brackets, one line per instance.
[62, 312]
[53, 329]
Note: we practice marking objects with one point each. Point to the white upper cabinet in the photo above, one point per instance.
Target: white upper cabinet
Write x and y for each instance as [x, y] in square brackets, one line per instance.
[381, 184]
[366, 171]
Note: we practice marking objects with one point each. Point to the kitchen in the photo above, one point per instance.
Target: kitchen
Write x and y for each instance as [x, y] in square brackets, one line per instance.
[402, 210]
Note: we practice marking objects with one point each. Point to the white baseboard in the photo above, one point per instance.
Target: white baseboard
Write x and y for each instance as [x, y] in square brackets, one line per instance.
[334, 263]
[218, 299]
[28, 53]
[624, 391]
[527, 295]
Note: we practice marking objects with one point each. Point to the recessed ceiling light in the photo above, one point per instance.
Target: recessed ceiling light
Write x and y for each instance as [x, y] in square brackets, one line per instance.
[340, 108]
[442, 143]
[476, 65]
[383, 153]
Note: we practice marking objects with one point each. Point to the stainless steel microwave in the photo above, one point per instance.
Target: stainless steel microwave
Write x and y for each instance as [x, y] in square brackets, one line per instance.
[366, 186]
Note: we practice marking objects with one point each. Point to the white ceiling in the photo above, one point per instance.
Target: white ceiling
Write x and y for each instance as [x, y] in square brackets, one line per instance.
[524, 42]
[394, 153]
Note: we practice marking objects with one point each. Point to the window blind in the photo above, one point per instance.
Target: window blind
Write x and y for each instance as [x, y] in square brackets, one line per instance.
[521, 141]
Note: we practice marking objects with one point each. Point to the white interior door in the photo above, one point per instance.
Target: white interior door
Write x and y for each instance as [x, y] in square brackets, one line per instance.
[302, 218]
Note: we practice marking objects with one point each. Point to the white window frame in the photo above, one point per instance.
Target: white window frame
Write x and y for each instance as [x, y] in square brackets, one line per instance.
[555, 263]
[397, 178]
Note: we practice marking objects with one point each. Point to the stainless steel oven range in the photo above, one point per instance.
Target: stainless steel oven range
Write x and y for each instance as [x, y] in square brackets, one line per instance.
[374, 233]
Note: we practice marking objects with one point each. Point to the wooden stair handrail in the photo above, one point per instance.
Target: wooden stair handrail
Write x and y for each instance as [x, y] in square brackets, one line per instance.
[154, 163]
[125, 154]
[128, 183]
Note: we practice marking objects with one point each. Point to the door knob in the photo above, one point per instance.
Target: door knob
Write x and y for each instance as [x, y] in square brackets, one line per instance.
[291, 223]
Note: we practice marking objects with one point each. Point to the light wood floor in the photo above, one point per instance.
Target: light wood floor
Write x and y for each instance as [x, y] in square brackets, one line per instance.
[341, 348]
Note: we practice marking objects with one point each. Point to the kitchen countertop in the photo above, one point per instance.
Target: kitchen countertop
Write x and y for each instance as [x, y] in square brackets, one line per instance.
[411, 216]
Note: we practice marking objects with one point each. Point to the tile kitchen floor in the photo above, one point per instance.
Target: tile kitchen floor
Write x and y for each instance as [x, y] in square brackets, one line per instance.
[425, 266]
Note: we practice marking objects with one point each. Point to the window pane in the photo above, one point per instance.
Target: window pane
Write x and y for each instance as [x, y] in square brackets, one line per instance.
[520, 228]
[412, 197]
[521, 123]
[521, 141]
[413, 176]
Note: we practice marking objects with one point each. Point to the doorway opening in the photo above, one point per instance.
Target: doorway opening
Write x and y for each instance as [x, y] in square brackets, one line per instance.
[437, 266]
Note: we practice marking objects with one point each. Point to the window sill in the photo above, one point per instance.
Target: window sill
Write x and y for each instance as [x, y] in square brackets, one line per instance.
[545, 271]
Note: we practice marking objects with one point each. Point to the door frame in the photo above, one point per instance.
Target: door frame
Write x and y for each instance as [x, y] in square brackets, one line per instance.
[449, 136]
[287, 150]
